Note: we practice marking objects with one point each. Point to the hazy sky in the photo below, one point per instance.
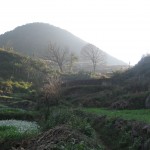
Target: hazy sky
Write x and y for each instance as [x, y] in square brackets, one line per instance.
[119, 27]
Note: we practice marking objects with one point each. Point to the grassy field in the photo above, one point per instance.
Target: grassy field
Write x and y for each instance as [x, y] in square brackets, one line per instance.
[142, 115]
[20, 114]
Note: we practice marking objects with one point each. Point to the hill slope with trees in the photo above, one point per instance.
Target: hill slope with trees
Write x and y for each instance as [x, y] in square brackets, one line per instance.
[33, 39]
[16, 67]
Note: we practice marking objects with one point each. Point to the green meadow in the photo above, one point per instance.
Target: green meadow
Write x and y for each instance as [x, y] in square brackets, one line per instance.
[142, 115]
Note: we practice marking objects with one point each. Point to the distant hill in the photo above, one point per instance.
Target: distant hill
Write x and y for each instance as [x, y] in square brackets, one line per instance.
[33, 39]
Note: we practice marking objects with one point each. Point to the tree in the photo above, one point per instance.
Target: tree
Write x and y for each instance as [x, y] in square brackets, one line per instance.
[93, 54]
[73, 58]
[51, 93]
[61, 56]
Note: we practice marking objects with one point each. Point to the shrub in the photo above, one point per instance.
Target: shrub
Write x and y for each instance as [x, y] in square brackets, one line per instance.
[59, 116]
[19, 114]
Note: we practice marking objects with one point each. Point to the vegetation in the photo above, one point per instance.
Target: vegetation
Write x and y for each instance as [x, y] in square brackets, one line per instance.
[15, 131]
[113, 112]
[33, 39]
[19, 114]
[20, 68]
[60, 116]
[61, 57]
[142, 115]
[94, 54]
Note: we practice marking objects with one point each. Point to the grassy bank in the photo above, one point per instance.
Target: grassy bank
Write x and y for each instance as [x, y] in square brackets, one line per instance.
[142, 115]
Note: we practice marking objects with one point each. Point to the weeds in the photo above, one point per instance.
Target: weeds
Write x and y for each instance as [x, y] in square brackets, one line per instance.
[142, 115]
[19, 114]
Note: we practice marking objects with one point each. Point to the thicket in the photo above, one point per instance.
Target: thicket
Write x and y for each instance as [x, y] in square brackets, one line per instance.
[60, 116]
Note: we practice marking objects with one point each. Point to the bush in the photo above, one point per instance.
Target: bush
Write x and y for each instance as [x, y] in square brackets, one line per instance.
[9, 87]
[82, 125]
[59, 116]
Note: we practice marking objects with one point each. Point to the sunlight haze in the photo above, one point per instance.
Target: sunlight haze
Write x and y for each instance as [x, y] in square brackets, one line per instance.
[120, 28]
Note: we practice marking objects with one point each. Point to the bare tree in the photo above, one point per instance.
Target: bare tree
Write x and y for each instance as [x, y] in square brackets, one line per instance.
[94, 54]
[62, 57]
[58, 55]
[51, 93]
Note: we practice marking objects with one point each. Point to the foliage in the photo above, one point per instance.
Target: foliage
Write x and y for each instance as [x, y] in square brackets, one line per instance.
[77, 146]
[120, 134]
[21, 126]
[136, 78]
[81, 75]
[59, 116]
[20, 68]
[12, 131]
[142, 115]
[9, 87]
[19, 114]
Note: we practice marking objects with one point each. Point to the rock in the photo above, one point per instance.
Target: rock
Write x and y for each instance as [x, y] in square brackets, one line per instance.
[147, 102]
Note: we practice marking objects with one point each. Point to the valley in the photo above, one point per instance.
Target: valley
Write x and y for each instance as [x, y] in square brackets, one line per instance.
[50, 104]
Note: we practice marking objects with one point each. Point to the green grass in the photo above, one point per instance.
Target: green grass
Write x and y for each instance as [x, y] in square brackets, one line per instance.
[4, 97]
[10, 134]
[10, 113]
[142, 115]
[3, 106]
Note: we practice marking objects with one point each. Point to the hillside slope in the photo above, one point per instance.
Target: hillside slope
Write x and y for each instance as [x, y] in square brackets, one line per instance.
[33, 39]
[20, 68]
[127, 90]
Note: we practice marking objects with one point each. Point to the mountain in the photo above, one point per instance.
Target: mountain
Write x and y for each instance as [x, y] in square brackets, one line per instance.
[33, 39]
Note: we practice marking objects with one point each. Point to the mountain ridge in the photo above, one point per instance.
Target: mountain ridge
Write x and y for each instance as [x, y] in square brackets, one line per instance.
[33, 39]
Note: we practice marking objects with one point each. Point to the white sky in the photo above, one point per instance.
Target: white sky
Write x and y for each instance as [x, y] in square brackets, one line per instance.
[119, 27]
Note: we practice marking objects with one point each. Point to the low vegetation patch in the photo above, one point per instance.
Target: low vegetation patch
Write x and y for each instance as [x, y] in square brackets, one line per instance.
[76, 132]
[121, 130]
[142, 115]
[21, 126]
[19, 114]
[14, 131]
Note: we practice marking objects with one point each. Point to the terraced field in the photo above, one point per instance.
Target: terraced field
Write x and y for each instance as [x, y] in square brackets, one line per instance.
[142, 115]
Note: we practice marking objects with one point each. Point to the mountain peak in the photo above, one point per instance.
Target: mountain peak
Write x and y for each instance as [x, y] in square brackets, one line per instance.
[33, 38]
